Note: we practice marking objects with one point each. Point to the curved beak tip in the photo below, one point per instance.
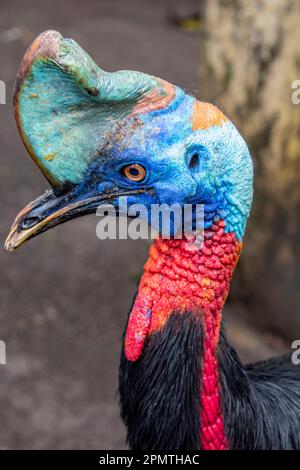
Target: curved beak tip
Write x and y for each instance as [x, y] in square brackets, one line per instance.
[9, 246]
[14, 239]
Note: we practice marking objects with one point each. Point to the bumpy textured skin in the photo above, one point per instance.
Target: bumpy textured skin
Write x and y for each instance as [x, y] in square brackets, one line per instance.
[179, 278]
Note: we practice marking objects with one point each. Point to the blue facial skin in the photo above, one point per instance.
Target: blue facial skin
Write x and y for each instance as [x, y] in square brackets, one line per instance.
[209, 166]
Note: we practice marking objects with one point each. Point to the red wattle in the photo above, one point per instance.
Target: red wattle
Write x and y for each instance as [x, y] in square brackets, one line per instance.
[179, 278]
[212, 425]
[137, 328]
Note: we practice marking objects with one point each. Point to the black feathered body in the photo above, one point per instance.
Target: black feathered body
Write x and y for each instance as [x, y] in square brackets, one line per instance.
[160, 394]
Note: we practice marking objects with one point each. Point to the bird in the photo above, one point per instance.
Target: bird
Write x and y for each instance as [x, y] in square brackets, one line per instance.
[97, 136]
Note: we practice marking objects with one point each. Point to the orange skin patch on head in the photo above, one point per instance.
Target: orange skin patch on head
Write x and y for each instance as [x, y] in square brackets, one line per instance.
[206, 115]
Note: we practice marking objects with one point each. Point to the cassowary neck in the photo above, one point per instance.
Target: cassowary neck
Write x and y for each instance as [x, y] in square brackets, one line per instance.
[177, 281]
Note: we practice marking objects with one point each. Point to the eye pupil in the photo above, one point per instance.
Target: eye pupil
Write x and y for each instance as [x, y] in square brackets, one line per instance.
[134, 172]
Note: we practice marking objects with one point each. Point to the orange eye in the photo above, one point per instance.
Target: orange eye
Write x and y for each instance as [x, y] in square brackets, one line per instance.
[134, 172]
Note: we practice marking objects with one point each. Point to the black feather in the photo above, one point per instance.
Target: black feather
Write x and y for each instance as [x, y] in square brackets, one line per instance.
[261, 402]
[160, 394]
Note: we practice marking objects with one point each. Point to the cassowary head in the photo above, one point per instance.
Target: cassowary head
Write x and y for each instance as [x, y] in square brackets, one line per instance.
[97, 135]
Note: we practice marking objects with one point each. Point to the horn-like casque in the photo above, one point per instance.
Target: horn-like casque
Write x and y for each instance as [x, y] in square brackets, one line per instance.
[66, 106]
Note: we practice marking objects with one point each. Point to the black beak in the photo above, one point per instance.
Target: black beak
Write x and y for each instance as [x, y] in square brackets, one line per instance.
[50, 210]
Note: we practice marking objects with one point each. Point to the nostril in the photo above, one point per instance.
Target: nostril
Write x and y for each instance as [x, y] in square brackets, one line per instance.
[29, 222]
[194, 162]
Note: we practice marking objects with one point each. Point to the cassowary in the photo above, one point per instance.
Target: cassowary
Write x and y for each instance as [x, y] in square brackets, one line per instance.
[97, 136]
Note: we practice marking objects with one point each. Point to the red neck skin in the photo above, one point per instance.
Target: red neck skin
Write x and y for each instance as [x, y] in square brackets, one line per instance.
[178, 278]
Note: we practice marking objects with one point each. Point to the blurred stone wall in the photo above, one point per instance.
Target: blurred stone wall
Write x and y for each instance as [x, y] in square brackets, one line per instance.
[250, 55]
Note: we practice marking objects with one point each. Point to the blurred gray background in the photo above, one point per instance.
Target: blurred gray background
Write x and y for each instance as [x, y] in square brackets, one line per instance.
[64, 297]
